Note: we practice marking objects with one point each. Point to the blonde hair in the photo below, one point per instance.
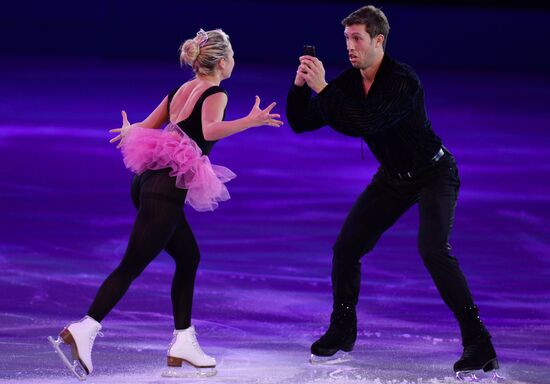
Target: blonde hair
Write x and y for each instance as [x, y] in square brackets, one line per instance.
[203, 52]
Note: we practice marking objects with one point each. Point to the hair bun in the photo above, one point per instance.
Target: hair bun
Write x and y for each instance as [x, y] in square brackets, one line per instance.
[203, 52]
[189, 52]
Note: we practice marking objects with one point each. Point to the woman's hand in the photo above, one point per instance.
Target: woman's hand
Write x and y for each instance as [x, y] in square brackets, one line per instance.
[126, 126]
[258, 117]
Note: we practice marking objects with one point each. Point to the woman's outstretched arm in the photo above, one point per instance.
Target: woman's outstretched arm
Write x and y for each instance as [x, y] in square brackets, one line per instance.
[156, 119]
[214, 128]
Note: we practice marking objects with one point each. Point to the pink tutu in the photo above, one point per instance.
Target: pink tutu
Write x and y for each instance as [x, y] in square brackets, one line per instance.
[146, 148]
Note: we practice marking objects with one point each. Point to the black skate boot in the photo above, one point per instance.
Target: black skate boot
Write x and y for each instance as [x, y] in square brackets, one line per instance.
[340, 336]
[478, 353]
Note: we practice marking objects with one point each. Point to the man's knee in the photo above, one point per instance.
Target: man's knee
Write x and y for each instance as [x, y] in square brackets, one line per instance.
[351, 249]
[433, 254]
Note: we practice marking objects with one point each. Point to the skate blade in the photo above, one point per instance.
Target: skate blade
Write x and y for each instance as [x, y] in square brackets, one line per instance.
[337, 358]
[467, 376]
[496, 378]
[479, 377]
[189, 372]
[75, 366]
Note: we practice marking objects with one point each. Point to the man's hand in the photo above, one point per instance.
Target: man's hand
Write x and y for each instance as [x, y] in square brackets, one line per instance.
[313, 72]
[299, 80]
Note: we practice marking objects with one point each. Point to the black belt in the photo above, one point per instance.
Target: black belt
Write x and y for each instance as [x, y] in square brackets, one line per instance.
[412, 174]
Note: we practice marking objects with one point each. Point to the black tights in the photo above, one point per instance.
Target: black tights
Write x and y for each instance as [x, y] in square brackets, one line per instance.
[160, 224]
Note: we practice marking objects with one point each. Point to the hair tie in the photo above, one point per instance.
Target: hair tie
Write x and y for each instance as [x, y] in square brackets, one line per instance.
[201, 38]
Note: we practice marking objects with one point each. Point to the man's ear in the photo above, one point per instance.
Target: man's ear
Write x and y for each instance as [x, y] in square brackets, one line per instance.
[379, 40]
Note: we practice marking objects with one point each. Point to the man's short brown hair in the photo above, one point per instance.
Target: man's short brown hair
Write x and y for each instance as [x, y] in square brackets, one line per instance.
[374, 20]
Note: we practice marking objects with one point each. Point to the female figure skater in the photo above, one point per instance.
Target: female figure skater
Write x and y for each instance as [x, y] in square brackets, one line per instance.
[171, 167]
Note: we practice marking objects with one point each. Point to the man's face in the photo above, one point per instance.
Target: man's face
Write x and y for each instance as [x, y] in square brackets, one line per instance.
[361, 47]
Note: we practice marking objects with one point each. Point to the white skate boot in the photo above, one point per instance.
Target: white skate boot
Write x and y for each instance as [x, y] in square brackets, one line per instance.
[185, 348]
[80, 336]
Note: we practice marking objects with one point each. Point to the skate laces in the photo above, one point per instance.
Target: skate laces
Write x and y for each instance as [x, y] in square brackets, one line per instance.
[196, 344]
[93, 336]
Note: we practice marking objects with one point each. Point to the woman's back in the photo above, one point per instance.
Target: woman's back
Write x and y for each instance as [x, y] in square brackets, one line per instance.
[184, 110]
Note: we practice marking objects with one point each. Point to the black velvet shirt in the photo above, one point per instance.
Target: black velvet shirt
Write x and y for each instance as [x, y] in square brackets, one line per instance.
[391, 118]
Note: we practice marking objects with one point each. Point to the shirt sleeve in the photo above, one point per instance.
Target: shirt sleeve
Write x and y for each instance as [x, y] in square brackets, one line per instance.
[392, 103]
[302, 111]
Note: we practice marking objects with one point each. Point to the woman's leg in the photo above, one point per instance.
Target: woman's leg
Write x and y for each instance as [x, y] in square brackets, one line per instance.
[160, 205]
[183, 248]
[185, 346]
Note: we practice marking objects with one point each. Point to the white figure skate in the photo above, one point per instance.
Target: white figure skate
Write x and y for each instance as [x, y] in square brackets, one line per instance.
[185, 348]
[80, 336]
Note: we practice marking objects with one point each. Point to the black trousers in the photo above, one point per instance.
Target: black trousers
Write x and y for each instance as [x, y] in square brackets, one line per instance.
[378, 208]
[159, 225]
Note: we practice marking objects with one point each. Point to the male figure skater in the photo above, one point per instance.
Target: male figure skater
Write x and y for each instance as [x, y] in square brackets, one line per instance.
[382, 101]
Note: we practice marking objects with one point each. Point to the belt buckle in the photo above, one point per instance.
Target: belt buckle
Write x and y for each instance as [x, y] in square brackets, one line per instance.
[435, 159]
[404, 176]
[438, 155]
